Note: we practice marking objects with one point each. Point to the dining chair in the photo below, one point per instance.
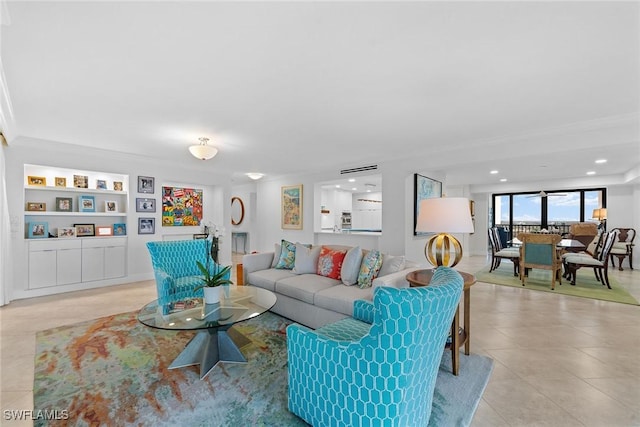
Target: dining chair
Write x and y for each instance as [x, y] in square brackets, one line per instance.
[623, 247]
[539, 251]
[584, 232]
[599, 262]
[591, 251]
[498, 253]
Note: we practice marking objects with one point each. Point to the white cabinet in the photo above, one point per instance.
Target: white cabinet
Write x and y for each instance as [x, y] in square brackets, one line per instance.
[103, 258]
[54, 262]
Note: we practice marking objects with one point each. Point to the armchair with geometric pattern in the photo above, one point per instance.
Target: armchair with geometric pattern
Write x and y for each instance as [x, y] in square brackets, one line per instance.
[380, 366]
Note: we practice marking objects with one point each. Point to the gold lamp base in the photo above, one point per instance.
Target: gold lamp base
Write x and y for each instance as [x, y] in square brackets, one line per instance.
[439, 249]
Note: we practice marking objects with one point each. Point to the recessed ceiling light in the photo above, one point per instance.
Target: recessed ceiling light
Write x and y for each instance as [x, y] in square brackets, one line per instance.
[601, 161]
[493, 172]
[354, 188]
[352, 180]
[503, 179]
[338, 186]
[591, 173]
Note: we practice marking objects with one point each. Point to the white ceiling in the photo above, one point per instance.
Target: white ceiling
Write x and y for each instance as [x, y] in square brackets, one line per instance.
[537, 90]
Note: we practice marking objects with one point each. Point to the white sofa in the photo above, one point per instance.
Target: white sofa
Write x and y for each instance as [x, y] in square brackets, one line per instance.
[311, 299]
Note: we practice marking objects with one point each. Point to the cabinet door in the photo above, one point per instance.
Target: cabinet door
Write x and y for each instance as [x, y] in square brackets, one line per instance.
[69, 265]
[114, 261]
[42, 269]
[92, 264]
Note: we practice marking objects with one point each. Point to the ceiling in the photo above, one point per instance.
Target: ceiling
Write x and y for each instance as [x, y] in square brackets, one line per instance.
[535, 90]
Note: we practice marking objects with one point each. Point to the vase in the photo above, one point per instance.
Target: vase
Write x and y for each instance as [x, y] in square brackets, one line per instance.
[211, 295]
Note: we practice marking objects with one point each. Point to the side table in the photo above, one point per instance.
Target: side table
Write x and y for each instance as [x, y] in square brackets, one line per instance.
[458, 337]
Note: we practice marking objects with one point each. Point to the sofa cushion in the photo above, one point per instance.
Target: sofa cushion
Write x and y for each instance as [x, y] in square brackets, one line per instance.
[306, 260]
[276, 255]
[330, 263]
[303, 287]
[370, 268]
[351, 266]
[287, 255]
[340, 298]
[267, 278]
[391, 264]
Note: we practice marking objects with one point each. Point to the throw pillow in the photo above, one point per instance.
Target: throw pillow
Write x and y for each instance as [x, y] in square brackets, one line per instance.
[351, 266]
[330, 263]
[287, 255]
[306, 259]
[276, 255]
[370, 268]
[391, 264]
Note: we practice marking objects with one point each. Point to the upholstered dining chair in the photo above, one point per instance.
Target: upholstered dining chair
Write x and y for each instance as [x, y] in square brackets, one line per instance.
[498, 253]
[539, 251]
[175, 269]
[623, 247]
[599, 262]
[378, 367]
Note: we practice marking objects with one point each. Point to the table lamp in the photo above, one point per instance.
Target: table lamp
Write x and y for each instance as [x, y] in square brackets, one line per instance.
[601, 215]
[444, 215]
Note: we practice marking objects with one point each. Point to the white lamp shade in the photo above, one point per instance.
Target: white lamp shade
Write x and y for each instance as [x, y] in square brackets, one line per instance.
[600, 214]
[203, 151]
[445, 215]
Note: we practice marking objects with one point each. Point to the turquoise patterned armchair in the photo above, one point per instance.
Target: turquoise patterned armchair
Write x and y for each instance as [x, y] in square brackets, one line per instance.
[175, 268]
[379, 367]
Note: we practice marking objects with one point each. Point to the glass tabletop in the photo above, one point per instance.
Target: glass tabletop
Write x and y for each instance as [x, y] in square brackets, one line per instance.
[237, 303]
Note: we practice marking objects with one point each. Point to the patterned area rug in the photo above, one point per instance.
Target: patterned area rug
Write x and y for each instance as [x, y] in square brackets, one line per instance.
[113, 371]
[540, 280]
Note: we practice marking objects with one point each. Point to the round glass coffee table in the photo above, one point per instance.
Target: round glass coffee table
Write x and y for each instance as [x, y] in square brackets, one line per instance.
[213, 343]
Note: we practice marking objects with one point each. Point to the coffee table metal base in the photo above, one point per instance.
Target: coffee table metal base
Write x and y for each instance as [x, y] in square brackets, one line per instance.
[207, 349]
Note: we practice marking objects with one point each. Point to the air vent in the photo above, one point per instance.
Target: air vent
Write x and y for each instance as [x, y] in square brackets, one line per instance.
[360, 169]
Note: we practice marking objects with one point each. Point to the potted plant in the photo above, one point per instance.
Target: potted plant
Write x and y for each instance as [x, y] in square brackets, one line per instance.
[211, 283]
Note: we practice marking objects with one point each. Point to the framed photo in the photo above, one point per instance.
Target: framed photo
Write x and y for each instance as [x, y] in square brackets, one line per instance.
[80, 181]
[66, 232]
[145, 205]
[61, 182]
[64, 204]
[38, 230]
[36, 206]
[120, 229]
[110, 206]
[101, 184]
[37, 180]
[423, 188]
[291, 207]
[83, 230]
[104, 230]
[146, 225]
[146, 184]
[86, 204]
[117, 186]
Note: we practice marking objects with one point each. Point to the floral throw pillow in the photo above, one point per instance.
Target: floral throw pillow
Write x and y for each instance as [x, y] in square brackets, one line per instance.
[287, 255]
[369, 268]
[330, 263]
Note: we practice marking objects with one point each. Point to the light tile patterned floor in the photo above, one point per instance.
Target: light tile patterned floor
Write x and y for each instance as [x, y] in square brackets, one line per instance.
[559, 360]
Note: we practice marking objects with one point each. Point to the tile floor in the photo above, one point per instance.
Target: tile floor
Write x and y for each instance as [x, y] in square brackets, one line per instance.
[559, 360]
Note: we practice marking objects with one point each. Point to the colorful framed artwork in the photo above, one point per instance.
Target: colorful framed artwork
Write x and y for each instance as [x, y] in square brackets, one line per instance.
[117, 186]
[110, 206]
[36, 206]
[61, 181]
[423, 188]
[104, 230]
[38, 230]
[85, 230]
[120, 229]
[145, 205]
[80, 181]
[37, 180]
[146, 184]
[66, 232]
[101, 184]
[64, 204]
[181, 207]
[291, 207]
[86, 204]
[146, 225]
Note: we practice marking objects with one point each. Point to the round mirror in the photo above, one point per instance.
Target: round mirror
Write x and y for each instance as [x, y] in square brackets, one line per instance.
[237, 211]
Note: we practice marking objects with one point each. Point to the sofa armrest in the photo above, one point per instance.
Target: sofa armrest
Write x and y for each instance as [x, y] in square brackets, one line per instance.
[256, 262]
[394, 280]
[363, 310]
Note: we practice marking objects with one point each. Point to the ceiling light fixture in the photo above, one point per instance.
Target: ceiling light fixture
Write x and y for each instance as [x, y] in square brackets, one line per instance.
[254, 175]
[493, 172]
[591, 173]
[203, 151]
[503, 179]
[601, 161]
